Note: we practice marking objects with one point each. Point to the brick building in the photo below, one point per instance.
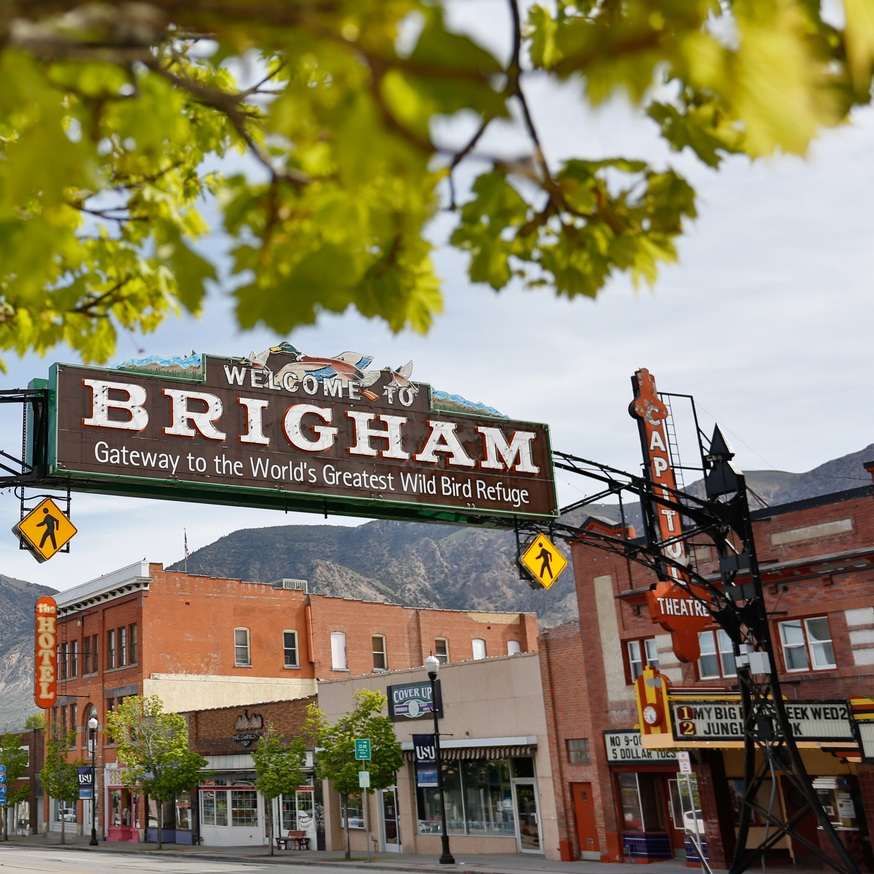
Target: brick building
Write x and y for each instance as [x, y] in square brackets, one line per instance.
[24, 818]
[618, 800]
[201, 642]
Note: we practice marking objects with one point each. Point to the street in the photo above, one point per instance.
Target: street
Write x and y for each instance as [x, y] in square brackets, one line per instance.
[45, 861]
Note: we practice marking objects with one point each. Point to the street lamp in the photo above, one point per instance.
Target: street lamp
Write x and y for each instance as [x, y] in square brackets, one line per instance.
[432, 666]
[92, 734]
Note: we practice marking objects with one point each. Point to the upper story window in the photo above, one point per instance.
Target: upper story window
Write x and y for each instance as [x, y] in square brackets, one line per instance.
[289, 649]
[639, 654]
[89, 655]
[74, 724]
[513, 646]
[62, 661]
[242, 655]
[74, 658]
[110, 649]
[717, 655]
[479, 648]
[380, 659]
[338, 651]
[441, 650]
[807, 644]
[132, 644]
[578, 750]
[122, 647]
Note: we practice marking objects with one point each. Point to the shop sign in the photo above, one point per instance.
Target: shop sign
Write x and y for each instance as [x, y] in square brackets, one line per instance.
[709, 720]
[627, 747]
[45, 690]
[285, 430]
[412, 701]
[248, 728]
[675, 604]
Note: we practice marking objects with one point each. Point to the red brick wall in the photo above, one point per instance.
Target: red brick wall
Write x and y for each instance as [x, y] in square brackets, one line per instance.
[211, 732]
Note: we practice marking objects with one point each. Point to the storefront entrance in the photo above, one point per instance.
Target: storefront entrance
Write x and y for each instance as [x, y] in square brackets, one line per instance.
[298, 813]
[651, 827]
[527, 819]
[390, 825]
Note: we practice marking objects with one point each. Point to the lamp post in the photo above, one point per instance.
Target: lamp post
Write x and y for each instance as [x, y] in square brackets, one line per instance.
[92, 733]
[432, 666]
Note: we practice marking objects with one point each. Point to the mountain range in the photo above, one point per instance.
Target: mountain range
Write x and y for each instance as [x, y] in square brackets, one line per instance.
[456, 567]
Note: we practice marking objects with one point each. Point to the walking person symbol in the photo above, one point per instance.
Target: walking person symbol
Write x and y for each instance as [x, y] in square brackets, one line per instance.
[545, 561]
[50, 524]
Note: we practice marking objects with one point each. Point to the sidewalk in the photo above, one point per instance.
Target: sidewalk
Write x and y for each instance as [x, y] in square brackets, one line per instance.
[471, 864]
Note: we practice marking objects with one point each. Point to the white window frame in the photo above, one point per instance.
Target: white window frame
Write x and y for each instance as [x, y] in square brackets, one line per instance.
[338, 664]
[285, 648]
[485, 652]
[514, 647]
[722, 646]
[443, 657]
[809, 651]
[646, 655]
[376, 652]
[238, 646]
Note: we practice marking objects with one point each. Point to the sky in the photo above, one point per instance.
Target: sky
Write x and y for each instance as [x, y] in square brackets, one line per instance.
[766, 320]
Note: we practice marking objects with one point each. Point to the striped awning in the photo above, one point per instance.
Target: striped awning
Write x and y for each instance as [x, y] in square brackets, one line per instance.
[458, 754]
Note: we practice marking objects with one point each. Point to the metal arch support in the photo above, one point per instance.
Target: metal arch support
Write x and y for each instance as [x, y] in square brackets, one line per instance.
[739, 608]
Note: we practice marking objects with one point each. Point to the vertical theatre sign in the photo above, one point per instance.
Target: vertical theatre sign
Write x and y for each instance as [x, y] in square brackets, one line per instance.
[290, 431]
[674, 603]
[45, 691]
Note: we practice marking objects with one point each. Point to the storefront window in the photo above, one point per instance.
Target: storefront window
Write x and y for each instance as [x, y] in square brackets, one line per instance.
[836, 798]
[629, 799]
[183, 811]
[428, 803]
[354, 811]
[213, 807]
[288, 808]
[244, 807]
[479, 797]
[488, 799]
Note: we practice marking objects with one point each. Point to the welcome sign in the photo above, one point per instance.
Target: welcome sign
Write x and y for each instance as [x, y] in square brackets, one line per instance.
[290, 431]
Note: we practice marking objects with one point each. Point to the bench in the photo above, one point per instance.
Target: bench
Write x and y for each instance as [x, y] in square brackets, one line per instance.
[298, 839]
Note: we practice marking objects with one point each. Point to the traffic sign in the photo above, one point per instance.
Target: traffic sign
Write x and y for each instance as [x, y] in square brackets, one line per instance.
[543, 561]
[364, 779]
[45, 530]
[685, 761]
[362, 749]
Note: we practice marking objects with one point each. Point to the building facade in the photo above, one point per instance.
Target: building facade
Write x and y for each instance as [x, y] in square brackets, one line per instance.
[200, 642]
[616, 799]
[497, 771]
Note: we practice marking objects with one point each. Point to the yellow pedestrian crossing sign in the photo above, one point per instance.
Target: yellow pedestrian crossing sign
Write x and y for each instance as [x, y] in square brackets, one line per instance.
[45, 530]
[543, 561]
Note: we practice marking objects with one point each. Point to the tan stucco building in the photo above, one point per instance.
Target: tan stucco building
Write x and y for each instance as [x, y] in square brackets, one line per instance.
[497, 772]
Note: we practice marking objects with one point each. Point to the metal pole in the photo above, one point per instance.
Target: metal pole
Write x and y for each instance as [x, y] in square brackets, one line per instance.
[93, 841]
[446, 857]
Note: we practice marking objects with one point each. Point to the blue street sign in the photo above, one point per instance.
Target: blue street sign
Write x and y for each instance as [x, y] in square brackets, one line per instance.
[3, 794]
[2, 773]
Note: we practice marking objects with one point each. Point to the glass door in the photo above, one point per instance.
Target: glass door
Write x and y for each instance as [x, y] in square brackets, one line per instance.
[306, 814]
[527, 819]
[391, 835]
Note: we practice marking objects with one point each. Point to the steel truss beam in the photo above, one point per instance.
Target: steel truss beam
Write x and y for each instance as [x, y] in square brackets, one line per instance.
[736, 601]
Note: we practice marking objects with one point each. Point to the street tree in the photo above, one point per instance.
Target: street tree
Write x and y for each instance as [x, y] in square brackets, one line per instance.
[14, 757]
[279, 767]
[153, 748]
[60, 777]
[335, 749]
[119, 120]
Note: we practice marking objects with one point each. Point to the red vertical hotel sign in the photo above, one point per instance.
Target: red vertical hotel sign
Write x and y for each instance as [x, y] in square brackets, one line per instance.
[45, 690]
